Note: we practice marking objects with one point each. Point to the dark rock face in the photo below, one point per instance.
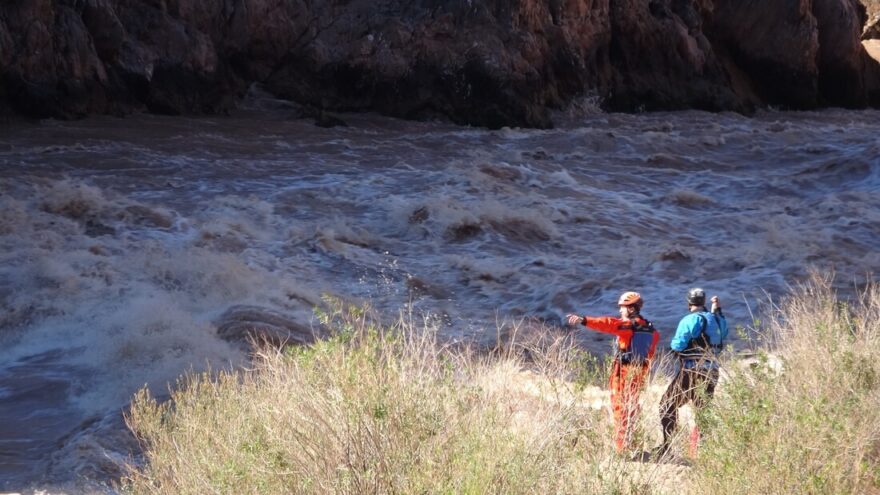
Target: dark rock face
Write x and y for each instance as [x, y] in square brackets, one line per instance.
[481, 62]
[489, 63]
[661, 58]
[774, 44]
[842, 61]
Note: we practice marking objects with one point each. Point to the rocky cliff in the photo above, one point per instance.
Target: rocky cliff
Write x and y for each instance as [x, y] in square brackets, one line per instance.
[481, 62]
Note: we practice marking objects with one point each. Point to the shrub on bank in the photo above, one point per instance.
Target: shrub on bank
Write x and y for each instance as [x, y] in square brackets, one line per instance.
[811, 425]
[390, 410]
[379, 410]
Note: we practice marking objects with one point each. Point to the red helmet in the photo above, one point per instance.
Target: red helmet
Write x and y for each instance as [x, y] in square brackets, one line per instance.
[630, 299]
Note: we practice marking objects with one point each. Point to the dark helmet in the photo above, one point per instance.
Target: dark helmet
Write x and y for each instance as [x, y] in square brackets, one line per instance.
[696, 297]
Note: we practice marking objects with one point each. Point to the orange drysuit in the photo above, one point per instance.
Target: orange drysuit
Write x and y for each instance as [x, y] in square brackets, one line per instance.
[627, 377]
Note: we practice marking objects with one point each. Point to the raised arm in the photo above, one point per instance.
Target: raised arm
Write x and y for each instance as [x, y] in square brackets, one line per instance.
[604, 324]
[719, 317]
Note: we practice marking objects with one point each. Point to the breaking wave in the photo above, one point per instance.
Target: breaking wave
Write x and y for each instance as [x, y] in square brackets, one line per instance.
[135, 250]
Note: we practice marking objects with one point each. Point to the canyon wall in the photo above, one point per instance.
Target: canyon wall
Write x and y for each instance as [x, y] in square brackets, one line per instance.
[480, 62]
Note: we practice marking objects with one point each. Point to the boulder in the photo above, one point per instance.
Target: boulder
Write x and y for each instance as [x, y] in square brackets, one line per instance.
[255, 324]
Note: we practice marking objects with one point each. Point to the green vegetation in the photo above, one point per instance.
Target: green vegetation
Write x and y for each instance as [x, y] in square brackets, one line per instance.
[378, 409]
[807, 418]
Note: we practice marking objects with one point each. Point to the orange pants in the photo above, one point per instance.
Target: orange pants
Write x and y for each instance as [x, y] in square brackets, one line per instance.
[625, 384]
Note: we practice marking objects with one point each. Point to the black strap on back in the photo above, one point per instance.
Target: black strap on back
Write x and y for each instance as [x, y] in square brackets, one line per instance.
[648, 327]
[626, 356]
[705, 326]
[701, 343]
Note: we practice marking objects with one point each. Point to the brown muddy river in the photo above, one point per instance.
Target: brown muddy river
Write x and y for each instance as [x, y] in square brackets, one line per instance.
[124, 241]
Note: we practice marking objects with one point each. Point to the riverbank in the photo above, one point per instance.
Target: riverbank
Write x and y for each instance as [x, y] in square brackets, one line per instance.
[378, 409]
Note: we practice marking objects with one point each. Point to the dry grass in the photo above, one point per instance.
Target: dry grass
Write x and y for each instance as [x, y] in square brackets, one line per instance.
[813, 425]
[379, 409]
[384, 410]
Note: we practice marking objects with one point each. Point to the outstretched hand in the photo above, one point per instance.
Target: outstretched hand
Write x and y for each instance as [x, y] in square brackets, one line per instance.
[716, 304]
[573, 320]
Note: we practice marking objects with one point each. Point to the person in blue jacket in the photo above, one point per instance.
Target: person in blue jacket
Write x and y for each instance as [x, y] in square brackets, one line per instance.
[698, 340]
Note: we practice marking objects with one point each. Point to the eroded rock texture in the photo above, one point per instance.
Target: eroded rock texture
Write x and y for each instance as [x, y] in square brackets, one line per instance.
[481, 62]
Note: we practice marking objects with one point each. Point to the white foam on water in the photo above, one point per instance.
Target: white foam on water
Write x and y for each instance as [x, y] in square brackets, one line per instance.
[120, 269]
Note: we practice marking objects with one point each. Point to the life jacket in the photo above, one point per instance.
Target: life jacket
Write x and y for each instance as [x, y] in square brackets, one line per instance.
[701, 346]
[640, 344]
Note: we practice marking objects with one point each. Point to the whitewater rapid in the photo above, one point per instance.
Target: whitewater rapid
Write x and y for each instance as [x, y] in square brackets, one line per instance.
[126, 242]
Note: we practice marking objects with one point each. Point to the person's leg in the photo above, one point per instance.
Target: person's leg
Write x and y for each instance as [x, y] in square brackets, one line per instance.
[706, 381]
[634, 378]
[674, 397]
[617, 386]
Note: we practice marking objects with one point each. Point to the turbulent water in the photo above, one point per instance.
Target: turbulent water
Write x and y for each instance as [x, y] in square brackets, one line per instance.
[127, 243]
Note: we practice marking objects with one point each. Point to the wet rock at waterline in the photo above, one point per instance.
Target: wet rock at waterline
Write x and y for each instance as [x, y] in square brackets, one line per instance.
[483, 62]
[259, 325]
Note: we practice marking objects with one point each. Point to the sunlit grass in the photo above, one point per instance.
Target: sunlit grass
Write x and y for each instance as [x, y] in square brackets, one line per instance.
[805, 419]
[383, 410]
[389, 409]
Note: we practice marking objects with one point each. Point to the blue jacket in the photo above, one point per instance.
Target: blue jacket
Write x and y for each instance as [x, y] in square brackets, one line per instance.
[689, 329]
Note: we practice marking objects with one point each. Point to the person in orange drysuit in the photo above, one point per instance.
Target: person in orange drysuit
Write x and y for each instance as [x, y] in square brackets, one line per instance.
[636, 341]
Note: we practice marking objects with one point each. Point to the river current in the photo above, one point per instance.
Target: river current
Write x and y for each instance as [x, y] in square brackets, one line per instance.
[126, 242]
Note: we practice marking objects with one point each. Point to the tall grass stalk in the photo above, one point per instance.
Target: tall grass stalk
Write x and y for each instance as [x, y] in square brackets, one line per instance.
[811, 423]
[389, 409]
[383, 410]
